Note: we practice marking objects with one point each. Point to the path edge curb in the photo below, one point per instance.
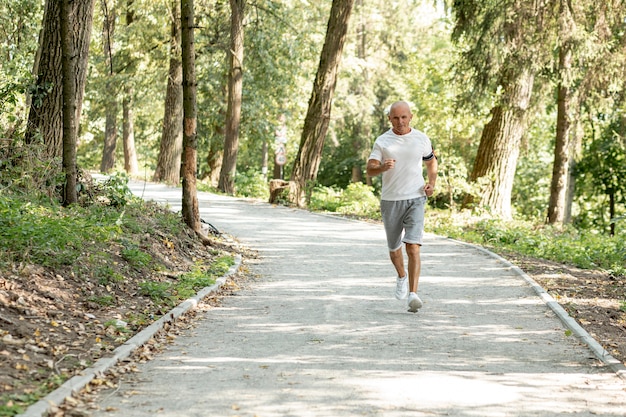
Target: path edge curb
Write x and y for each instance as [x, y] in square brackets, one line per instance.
[78, 382]
[601, 353]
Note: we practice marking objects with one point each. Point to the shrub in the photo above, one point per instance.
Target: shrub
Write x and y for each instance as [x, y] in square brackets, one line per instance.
[358, 199]
[325, 199]
[252, 184]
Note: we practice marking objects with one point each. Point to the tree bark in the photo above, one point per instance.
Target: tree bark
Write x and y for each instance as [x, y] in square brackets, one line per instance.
[498, 151]
[235, 91]
[190, 210]
[131, 165]
[111, 105]
[45, 118]
[318, 114]
[168, 164]
[68, 65]
[557, 207]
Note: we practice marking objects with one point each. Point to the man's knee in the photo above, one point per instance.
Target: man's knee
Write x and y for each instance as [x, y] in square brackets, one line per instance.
[413, 248]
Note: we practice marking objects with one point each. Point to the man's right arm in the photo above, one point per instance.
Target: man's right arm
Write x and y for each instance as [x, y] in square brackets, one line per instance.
[375, 167]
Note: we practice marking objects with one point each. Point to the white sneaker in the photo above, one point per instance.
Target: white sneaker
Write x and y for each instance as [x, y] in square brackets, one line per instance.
[402, 288]
[414, 303]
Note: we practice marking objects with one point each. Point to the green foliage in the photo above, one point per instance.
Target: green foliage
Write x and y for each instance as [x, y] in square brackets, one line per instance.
[104, 300]
[325, 199]
[107, 275]
[44, 234]
[601, 178]
[28, 169]
[220, 265]
[158, 291]
[356, 200]
[11, 405]
[191, 282]
[135, 256]
[116, 189]
[188, 284]
[252, 184]
[582, 249]
[359, 199]
[117, 325]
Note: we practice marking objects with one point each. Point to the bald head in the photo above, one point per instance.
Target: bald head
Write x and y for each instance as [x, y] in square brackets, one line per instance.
[400, 117]
[400, 106]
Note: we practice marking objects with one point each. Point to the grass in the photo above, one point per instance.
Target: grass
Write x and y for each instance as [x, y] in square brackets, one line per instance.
[115, 251]
[584, 249]
[580, 248]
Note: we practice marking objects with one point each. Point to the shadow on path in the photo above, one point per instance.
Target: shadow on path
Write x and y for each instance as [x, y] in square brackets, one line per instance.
[320, 334]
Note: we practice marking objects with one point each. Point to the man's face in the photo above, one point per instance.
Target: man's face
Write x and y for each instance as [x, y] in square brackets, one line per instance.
[400, 118]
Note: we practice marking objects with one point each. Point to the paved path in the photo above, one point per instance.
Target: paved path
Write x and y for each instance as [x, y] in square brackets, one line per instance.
[320, 334]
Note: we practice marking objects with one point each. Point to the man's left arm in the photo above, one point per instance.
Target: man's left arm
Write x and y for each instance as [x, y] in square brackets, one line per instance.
[431, 172]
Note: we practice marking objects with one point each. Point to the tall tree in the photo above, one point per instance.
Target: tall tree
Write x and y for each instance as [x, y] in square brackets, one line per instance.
[68, 65]
[496, 160]
[566, 105]
[318, 114]
[45, 119]
[111, 106]
[131, 165]
[168, 163]
[235, 91]
[190, 209]
[502, 45]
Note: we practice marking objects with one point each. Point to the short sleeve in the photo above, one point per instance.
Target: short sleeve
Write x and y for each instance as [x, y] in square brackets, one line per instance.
[376, 153]
[429, 151]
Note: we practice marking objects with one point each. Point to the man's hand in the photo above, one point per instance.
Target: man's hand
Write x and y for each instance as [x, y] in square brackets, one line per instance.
[375, 167]
[388, 164]
[429, 190]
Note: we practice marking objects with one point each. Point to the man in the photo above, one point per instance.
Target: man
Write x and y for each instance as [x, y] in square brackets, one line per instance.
[398, 155]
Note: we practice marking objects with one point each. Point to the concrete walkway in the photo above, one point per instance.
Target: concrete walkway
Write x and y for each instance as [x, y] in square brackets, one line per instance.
[320, 333]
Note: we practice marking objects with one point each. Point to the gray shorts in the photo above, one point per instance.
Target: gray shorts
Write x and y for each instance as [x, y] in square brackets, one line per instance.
[403, 215]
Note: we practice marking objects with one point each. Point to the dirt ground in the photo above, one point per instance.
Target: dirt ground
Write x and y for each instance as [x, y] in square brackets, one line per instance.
[50, 330]
[54, 323]
[597, 300]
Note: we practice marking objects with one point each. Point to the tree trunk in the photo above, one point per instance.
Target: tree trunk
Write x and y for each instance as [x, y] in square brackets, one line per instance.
[318, 114]
[496, 160]
[190, 209]
[131, 166]
[361, 130]
[111, 105]
[264, 157]
[45, 118]
[68, 65]
[574, 150]
[560, 171]
[214, 163]
[168, 164]
[235, 87]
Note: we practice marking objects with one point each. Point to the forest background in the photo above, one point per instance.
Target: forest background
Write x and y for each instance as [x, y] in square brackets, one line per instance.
[523, 100]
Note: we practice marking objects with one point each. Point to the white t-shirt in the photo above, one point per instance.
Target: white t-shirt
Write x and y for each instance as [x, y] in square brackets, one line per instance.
[406, 180]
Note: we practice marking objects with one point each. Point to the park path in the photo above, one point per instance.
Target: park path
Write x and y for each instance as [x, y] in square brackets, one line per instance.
[318, 333]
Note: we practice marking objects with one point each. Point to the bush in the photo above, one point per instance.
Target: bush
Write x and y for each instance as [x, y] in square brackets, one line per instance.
[359, 200]
[252, 184]
[325, 199]
[356, 200]
[581, 248]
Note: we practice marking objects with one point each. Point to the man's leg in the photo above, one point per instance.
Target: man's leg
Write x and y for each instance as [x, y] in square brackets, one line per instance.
[402, 287]
[398, 262]
[415, 265]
